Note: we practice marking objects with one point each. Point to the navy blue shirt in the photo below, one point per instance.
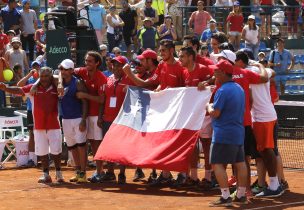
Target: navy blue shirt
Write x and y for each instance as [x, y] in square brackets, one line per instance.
[10, 18]
[228, 128]
[148, 37]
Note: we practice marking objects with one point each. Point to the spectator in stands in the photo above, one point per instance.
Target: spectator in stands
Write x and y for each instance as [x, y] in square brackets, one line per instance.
[28, 27]
[109, 64]
[261, 57]
[176, 14]
[10, 17]
[222, 8]
[116, 51]
[251, 36]
[206, 35]
[204, 51]
[103, 53]
[167, 29]
[199, 19]
[4, 41]
[114, 30]
[266, 14]
[147, 36]
[40, 39]
[279, 60]
[235, 25]
[17, 55]
[97, 16]
[17, 74]
[148, 11]
[130, 19]
[159, 6]
[292, 13]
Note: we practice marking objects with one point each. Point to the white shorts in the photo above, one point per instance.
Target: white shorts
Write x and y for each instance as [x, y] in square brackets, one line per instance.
[234, 33]
[94, 132]
[71, 132]
[206, 130]
[47, 141]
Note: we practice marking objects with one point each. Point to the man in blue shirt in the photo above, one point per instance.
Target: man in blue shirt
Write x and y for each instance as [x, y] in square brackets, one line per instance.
[227, 147]
[282, 61]
[206, 35]
[10, 17]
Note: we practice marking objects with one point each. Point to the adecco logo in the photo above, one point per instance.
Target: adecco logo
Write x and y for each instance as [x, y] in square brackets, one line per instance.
[11, 122]
[58, 50]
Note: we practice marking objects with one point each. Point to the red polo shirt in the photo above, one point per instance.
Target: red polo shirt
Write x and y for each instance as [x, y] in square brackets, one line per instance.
[199, 74]
[44, 107]
[94, 85]
[203, 60]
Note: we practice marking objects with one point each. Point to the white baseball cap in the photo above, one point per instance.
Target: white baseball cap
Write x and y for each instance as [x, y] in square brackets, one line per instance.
[228, 54]
[67, 64]
[103, 47]
[251, 17]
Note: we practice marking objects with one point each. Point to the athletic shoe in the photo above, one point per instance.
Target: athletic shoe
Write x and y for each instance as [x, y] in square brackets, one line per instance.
[95, 178]
[152, 177]
[190, 183]
[30, 164]
[257, 189]
[76, 177]
[221, 202]
[59, 177]
[284, 185]
[241, 200]
[271, 193]
[108, 177]
[121, 178]
[82, 177]
[232, 181]
[139, 175]
[161, 180]
[207, 185]
[45, 178]
[179, 181]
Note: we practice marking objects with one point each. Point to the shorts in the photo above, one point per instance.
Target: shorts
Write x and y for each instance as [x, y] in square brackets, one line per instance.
[263, 132]
[266, 10]
[226, 153]
[29, 120]
[48, 141]
[127, 36]
[234, 33]
[206, 130]
[94, 132]
[250, 147]
[72, 134]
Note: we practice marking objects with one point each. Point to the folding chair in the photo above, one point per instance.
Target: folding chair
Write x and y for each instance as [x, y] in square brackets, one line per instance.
[8, 136]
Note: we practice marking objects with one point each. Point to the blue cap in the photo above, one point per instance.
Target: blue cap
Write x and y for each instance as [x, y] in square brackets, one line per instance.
[24, 2]
[111, 55]
[236, 3]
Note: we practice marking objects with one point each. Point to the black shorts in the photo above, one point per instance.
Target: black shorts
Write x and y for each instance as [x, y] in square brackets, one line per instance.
[226, 153]
[267, 10]
[250, 147]
[29, 120]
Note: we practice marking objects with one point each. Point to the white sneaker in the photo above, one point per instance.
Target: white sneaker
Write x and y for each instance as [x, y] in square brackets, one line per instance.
[59, 177]
[45, 178]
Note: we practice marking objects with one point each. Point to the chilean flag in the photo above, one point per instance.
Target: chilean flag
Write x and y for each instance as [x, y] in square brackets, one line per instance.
[156, 129]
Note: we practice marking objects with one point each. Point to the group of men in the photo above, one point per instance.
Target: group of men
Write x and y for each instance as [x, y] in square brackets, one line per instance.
[240, 122]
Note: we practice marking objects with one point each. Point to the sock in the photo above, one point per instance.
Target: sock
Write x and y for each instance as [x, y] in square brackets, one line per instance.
[240, 192]
[31, 155]
[225, 193]
[274, 183]
[193, 174]
[208, 175]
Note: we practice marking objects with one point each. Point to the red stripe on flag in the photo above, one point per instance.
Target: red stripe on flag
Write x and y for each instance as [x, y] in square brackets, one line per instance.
[166, 150]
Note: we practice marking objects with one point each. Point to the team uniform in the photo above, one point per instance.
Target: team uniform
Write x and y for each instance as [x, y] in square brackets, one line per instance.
[203, 60]
[72, 115]
[95, 86]
[46, 124]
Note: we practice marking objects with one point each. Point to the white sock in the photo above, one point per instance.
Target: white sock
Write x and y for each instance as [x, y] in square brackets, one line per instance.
[274, 183]
[31, 155]
[225, 193]
[193, 174]
[240, 192]
[208, 174]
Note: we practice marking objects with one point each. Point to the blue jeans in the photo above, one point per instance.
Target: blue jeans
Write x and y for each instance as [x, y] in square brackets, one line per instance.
[254, 48]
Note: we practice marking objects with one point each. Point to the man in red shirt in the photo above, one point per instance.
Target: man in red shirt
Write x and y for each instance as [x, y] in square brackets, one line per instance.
[46, 128]
[95, 82]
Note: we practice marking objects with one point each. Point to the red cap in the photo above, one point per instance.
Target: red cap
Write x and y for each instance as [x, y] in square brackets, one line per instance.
[148, 54]
[223, 65]
[52, 1]
[120, 59]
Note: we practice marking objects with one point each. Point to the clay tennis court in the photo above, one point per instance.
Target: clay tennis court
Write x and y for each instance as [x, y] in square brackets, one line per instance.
[19, 190]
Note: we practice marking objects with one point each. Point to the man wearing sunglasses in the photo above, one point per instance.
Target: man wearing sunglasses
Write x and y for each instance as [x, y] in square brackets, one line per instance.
[149, 12]
[279, 60]
[74, 117]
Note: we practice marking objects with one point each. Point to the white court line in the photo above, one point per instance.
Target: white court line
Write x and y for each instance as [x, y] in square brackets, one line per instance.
[280, 205]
